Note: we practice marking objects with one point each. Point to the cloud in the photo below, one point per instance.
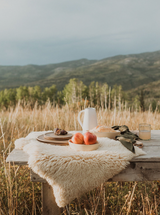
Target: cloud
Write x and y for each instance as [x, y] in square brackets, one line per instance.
[42, 31]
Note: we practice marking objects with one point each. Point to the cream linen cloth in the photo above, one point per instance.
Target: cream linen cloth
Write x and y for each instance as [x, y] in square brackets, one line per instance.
[72, 173]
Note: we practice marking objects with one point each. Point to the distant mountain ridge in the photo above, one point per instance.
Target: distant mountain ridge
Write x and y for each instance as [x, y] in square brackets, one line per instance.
[130, 71]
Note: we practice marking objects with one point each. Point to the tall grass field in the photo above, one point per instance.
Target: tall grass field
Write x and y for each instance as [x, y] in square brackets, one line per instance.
[20, 196]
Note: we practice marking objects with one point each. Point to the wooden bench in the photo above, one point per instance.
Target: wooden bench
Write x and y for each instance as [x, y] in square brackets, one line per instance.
[142, 168]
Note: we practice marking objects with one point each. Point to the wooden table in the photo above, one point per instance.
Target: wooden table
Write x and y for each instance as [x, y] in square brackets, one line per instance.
[141, 168]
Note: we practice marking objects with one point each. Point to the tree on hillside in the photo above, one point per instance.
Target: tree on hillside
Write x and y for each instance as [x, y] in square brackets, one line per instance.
[22, 93]
[92, 94]
[3, 100]
[98, 92]
[60, 98]
[154, 105]
[136, 102]
[37, 93]
[141, 100]
[10, 96]
[74, 91]
[104, 95]
[116, 96]
[49, 93]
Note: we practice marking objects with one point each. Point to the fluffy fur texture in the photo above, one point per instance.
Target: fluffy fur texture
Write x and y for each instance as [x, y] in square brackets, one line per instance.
[72, 173]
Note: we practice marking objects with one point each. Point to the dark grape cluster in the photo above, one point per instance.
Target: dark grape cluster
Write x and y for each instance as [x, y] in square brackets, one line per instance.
[59, 131]
[63, 132]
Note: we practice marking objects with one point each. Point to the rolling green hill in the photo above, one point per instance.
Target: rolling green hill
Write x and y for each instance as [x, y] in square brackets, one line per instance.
[151, 92]
[130, 71]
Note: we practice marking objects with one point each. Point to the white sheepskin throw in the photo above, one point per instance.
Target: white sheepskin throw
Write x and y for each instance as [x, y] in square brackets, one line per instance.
[72, 173]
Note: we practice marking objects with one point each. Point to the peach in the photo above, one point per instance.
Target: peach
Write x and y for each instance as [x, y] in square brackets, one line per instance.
[78, 138]
[90, 138]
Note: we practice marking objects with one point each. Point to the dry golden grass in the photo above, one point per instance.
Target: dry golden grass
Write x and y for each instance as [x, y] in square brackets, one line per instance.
[20, 196]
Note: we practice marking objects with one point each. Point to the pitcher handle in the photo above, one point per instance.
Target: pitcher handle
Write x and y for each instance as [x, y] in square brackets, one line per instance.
[79, 114]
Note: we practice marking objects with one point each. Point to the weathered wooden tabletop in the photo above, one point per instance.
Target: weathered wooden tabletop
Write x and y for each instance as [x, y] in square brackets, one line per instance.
[141, 168]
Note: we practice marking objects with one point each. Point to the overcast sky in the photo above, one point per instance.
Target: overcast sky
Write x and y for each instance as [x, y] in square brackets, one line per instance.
[52, 31]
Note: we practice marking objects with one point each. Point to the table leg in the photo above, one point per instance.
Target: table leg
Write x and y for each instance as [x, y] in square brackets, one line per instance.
[48, 201]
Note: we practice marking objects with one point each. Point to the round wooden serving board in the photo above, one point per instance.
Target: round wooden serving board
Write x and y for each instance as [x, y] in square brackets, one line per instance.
[52, 136]
[53, 142]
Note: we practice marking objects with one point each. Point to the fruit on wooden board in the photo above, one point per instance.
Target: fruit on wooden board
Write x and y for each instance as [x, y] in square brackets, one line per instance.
[78, 138]
[89, 138]
[58, 131]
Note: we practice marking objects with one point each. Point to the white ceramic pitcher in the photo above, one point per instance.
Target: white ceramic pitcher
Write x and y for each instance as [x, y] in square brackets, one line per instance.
[89, 120]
